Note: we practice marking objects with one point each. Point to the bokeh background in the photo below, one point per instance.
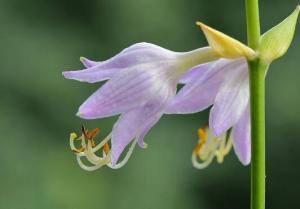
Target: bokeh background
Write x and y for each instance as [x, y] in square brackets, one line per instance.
[41, 38]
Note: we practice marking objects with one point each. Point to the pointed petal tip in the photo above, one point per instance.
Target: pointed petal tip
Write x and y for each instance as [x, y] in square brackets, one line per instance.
[82, 59]
[142, 144]
[80, 114]
[199, 23]
[202, 25]
[245, 161]
[226, 46]
[70, 75]
[66, 74]
[84, 115]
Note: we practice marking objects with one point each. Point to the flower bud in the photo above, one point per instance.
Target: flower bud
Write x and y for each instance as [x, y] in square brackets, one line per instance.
[275, 42]
[225, 46]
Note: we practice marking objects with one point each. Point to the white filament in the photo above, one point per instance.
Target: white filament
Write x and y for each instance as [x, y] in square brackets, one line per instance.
[214, 147]
[89, 151]
[126, 158]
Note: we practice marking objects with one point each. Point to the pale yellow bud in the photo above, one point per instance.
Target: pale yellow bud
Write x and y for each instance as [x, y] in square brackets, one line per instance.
[225, 46]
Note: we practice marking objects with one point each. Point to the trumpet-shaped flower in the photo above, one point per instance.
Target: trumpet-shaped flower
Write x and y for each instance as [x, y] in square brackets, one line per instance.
[142, 83]
[223, 84]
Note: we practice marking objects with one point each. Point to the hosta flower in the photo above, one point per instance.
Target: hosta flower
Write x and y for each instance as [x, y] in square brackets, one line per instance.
[142, 83]
[223, 84]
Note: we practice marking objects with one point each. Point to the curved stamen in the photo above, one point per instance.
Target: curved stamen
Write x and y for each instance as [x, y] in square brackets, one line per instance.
[209, 147]
[202, 164]
[89, 148]
[73, 137]
[89, 168]
[126, 158]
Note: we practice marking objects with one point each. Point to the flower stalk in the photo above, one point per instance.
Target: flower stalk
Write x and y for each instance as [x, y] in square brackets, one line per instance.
[257, 72]
[253, 24]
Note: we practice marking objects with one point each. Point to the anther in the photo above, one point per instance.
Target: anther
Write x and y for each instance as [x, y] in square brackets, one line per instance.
[202, 135]
[106, 148]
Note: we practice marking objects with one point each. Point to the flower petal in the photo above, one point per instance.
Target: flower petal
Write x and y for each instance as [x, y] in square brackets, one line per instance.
[146, 128]
[88, 63]
[231, 100]
[136, 54]
[202, 85]
[194, 73]
[130, 89]
[242, 138]
[91, 75]
[134, 124]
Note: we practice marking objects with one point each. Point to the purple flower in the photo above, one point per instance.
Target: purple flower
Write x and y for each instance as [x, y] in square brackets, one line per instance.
[223, 84]
[142, 83]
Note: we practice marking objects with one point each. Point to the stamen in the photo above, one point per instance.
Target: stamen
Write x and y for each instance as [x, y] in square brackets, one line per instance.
[106, 148]
[89, 149]
[202, 135]
[126, 158]
[209, 147]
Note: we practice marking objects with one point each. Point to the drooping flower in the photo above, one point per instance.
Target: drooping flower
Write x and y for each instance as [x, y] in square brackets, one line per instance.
[224, 85]
[142, 83]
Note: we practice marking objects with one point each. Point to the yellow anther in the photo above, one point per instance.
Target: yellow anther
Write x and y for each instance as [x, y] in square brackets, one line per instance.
[202, 135]
[210, 147]
[106, 148]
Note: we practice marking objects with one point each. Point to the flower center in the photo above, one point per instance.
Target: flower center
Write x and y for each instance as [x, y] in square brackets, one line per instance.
[88, 149]
[209, 147]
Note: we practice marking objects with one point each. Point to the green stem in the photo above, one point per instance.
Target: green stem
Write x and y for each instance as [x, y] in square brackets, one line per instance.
[253, 25]
[257, 100]
[257, 72]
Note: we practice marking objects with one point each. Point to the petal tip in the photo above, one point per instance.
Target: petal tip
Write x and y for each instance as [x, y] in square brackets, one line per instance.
[82, 59]
[66, 74]
[202, 25]
[80, 114]
[84, 115]
[245, 161]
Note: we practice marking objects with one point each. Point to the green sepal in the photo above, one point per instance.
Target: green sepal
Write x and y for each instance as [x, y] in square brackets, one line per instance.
[276, 41]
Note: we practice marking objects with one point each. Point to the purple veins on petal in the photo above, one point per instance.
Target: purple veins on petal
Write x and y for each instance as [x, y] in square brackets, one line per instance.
[202, 84]
[142, 81]
[231, 100]
[137, 54]
[122, 93]
[134, 124]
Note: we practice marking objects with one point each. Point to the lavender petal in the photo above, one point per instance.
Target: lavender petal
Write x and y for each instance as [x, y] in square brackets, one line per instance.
[231, 100]
[242, 138]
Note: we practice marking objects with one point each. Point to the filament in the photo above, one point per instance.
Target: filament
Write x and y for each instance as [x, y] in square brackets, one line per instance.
[210, 147]
[88, 150]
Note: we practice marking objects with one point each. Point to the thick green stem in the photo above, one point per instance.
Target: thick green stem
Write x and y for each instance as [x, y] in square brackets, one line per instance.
[257, 72]
[257, 100]
[253, 25]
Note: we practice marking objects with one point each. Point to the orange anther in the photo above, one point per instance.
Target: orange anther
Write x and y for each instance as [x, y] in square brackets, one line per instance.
[202, 133]
[90, 134]
[106, 148]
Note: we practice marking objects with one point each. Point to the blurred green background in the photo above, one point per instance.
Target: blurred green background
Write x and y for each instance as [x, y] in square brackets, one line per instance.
[41, 38]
